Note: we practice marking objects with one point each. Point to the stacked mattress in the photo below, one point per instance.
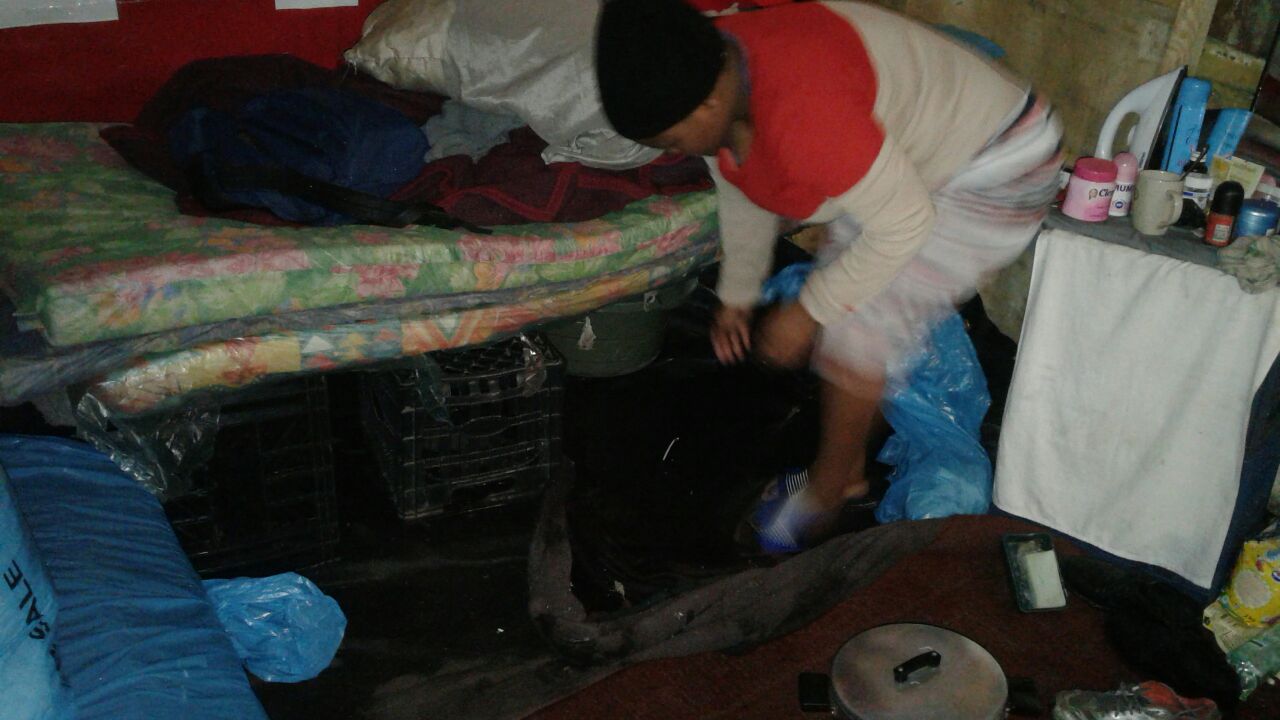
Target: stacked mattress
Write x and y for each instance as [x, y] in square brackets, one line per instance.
[111, 287]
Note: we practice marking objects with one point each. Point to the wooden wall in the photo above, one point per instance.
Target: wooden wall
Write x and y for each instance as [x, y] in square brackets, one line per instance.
[1083, 54]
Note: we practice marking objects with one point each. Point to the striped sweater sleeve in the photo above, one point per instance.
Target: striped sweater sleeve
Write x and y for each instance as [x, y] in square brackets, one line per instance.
[747, 236]
[893, 207]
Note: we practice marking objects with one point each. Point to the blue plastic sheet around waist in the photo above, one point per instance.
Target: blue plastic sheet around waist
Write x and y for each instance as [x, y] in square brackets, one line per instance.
[137, 635]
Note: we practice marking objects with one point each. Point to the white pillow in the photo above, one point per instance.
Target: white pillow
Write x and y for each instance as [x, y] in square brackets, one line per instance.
[404, 44]
[530, 58]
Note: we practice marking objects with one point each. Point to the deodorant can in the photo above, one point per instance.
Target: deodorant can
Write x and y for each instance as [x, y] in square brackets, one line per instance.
[1227, 200]
[1126, 174]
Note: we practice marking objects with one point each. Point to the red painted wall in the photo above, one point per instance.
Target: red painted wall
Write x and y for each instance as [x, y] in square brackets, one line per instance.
[105, 71]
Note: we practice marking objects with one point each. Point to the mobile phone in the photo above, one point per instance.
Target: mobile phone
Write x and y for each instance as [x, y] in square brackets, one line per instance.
[1033, 572]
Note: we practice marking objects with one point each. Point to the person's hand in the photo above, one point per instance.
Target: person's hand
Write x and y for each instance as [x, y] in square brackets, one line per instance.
[786, 335]
[731, 333]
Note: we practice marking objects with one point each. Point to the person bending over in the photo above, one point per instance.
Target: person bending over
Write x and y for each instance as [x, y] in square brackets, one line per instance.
[930, 166]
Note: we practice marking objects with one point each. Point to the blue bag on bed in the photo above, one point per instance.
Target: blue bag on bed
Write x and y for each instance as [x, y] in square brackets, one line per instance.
[315, 155]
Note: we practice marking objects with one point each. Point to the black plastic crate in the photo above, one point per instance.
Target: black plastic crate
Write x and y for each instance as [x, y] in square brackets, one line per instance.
[266, 500]
[502, 438]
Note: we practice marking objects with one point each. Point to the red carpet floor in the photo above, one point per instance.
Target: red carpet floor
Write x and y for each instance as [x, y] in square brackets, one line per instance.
[959, 582]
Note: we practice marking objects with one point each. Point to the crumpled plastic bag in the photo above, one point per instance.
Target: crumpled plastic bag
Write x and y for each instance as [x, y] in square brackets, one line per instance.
[1254, 261]
[786, 283]
[283, 627]
[1256, 660]
[940, 466]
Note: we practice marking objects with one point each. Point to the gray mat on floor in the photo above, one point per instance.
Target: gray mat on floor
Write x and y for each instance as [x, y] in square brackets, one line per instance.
[735, 612]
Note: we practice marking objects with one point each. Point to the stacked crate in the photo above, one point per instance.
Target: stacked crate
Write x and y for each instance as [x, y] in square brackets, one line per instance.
[466, 429]
[265, 501]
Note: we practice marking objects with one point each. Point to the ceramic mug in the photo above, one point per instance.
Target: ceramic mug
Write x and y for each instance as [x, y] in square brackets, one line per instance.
[1157, 201]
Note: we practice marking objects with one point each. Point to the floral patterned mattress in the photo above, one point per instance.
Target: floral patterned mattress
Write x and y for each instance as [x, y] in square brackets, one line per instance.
[92, 250]
[164, 380]
[112, 287]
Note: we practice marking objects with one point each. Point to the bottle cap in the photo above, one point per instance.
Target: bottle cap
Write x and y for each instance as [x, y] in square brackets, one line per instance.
[1126, 167]
[1095, 170]
[1228, 198]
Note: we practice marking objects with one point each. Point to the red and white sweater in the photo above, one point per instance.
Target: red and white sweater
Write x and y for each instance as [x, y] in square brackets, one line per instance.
[856, 111]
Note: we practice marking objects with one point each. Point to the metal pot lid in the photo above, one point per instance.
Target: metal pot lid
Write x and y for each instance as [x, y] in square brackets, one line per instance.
[908, 671]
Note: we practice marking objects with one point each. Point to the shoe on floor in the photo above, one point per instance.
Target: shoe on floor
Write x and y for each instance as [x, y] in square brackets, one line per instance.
[1147, 701]
[782, 521]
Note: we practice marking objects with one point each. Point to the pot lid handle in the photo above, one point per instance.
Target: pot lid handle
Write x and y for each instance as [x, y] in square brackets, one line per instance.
[927, 659]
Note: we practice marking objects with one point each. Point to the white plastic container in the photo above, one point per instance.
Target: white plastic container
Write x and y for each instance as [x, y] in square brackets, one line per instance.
[1093, 181]
[1197, 187]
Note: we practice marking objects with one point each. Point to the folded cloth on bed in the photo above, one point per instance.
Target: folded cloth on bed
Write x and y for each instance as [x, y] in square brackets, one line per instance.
[460, 129]
[90, 250]
[512, 185]
[1255, 261]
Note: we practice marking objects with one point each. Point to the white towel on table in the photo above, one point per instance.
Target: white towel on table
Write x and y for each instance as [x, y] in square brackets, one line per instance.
[1126, 418]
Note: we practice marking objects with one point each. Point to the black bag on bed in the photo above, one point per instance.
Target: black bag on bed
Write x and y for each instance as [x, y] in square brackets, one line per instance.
[316, 155]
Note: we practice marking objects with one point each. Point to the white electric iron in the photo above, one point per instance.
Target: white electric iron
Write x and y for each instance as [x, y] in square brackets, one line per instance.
[1150, 102]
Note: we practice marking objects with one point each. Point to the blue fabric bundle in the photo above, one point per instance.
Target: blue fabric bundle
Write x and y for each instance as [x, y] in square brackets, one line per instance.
[33, 688]
[137, 636]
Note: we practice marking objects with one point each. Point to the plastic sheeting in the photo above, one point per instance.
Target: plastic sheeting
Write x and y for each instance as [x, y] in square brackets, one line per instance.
[160, 450]
[138, 637]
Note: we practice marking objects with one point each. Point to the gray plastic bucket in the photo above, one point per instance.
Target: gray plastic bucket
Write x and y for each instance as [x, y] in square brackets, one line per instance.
[619, 338]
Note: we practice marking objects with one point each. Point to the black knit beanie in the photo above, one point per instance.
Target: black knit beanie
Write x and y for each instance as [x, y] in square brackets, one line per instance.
[656, 60]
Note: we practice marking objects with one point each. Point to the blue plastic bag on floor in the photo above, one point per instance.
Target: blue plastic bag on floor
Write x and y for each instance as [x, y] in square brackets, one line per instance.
[940, 467]
[283, 627]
